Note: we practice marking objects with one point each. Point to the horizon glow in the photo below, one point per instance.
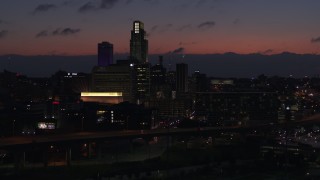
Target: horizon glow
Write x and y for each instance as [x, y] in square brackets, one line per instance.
[61, 27]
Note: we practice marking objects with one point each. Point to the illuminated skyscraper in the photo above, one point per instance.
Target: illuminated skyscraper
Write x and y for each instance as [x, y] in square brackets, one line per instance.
[139, 55]
[105, 54]
[138, 43]
[143, 80]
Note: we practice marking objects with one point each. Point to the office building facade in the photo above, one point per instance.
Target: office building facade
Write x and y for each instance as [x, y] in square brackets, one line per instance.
[115, 78]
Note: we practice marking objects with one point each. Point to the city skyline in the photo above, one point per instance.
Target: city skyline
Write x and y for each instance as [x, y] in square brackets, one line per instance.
[193, 27]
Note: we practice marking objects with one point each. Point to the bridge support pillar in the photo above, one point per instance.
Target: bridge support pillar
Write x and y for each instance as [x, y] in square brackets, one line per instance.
[99, 150]
[68, 156]
[89, 150]
[45, 158]
[19, 159]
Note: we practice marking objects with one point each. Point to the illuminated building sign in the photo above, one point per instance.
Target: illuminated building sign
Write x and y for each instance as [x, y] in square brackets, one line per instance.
[46, 125]
[101, 94]
[100, 112]
[102, 97]
[221, 82]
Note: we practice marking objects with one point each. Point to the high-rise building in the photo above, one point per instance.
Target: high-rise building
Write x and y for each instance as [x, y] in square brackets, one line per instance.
[138, 43]
[105, 54]
[199, 82]
[182, 77]
[118, 77]
[139, 55]
[143, 81]
[158, 73]
[158, 76]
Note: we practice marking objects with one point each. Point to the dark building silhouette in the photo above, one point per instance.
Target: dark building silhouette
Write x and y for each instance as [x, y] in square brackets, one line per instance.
[171, 79]
[105, 54]
[237, 108]
[182, 77]
[129, 116]
[158, 76]
[138, 43]
[198, 82]
[158, 73]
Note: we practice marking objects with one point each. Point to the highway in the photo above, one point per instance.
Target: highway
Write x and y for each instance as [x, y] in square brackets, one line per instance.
[81, 136]
[51, 138]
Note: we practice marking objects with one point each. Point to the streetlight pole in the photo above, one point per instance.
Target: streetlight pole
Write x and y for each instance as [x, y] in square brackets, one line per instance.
[13, 124]
[82, 123]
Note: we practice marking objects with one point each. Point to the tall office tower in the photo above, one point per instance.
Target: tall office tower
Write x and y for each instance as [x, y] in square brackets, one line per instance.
[105, 54]
[182, 77]
[158, 73]
[158, 76]
[139, 43]
[143, 81]
[199, 82]
[118, 77]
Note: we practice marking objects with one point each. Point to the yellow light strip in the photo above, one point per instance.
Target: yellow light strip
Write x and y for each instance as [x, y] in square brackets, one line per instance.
[101, 94]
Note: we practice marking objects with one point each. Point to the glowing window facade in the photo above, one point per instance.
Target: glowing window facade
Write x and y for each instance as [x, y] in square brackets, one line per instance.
[136, 27]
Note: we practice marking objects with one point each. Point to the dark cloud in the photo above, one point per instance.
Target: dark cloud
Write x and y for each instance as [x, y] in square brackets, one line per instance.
[154, 28]
[129, 1]
[184, 27]
[66, 3]
[200, 3]
[236, 21]
[58, 32]
[266, 52]
[315, 40]
[207, 25]
[104, 4]
[150, 1]
[70, 2]
[3, 22]
[177, 51]
[43, 33]
[159, 29]
[65, 32]
[108, 4]
[44, 8]
[89, 6]
[3, 33]
[165, 28]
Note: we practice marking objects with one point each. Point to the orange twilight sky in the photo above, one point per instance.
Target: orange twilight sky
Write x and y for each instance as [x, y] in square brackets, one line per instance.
[74, 27]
